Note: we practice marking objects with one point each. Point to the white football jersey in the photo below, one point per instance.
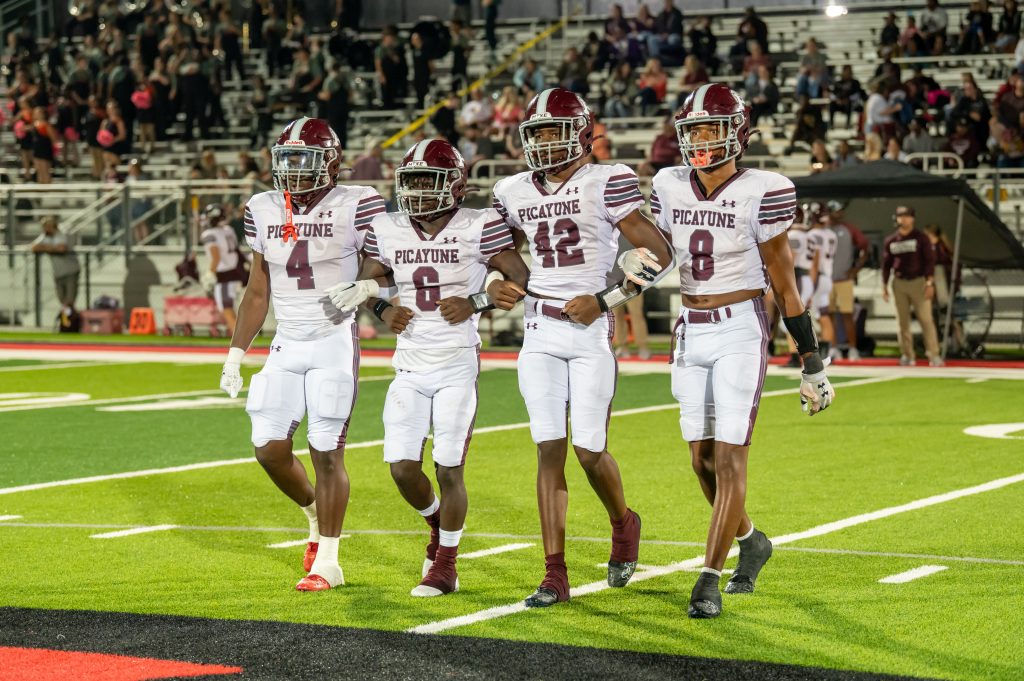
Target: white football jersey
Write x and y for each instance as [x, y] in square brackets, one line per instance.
[427, 269]
[825, 240]
[803, 248]
[223, 237]
[330, 236]
[716, 237]
[572, 230]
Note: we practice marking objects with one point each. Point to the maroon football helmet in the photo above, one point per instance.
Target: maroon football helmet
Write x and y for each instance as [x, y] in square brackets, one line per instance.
[566, 112]
[431, 180]
[307, 157]
[714, 104]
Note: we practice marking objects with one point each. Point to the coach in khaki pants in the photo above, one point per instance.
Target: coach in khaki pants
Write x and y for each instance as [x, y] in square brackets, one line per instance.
[908, 255]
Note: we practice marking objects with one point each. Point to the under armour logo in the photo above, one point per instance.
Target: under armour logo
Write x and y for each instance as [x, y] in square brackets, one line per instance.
[322, 214]
[275, 348]
[531, 325]
[572, 190]
[728, 204]
[450, 240]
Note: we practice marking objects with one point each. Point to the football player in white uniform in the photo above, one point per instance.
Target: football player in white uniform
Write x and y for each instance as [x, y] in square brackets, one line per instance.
[305, 238]
[438, 254]
[805, 263]
[825, 241]
[570, 211]
[728, 226]
[226, 271]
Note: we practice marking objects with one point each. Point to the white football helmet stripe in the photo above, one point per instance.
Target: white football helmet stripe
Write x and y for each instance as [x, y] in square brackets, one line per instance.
[698, 97]
[297, 126]
[542, 101]
[420, 150]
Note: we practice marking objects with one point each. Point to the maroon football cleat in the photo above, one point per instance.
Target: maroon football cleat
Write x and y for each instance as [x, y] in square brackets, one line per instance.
[310, 555]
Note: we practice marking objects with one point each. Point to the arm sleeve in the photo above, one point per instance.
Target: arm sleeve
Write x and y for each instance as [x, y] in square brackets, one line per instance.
[253, 236]
[496, 236]
[622, 193]
[776, 210]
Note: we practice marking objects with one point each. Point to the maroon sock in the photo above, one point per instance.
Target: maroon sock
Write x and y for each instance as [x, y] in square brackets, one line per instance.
[557, 575]
[446, 554]
[624, 521]
[434, 521]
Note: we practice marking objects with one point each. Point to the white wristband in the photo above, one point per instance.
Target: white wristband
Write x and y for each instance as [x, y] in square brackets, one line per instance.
[235, 356]
[494, 275]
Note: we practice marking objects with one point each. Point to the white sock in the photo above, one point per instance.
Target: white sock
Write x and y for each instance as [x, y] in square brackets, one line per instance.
[326, 555]
[314, 525]
[450, 537]
[748, 535]
[710, 571]
[432, 509]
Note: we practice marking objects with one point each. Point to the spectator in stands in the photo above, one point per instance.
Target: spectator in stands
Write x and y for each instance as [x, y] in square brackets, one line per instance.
[845, 96]
[144, 103]
[908, 256]
[273, 37]
[652, 85]
[349, 13]
[810, 125]
[889, 37]
[917, 140]
[977, 30]
[22, 126]
[294, 38]
[889, 73]
[617, 47]
[475, 146]
[94, 118]
[1010, 106]
[973, 107]
[620, 90]
[814, 60]
[462, 45]
[371, 165]
[44, 137]
[160, 86]
[147, 41]
[894, 152]
[462, 11]
[138, 206]
[813, 83]
[260, 108]
[422, 68]
[192, 87]
[751, 27]
[392, 71]
[874, 148]
[248, 169]
[642, 26]
[821, 160]
[692, 77]
[490, 21]
[85, 23]
[845, 155]
[704, 44]
[1009, 27]
[601, 150]
[208, 165]
[529, 77]
[616, 20]
[444, 119]
[333, 102]
[508, 112]
[513, 143]
[912, 43]
[755, 57]
[68, 129]
[878, 112]
[226, 39]
[664, 151]
[666, 42]
[933, 23]
[477, 110]
[763, 96]
[572, 72]
[964, 143]
[63, 262]
[117, 136]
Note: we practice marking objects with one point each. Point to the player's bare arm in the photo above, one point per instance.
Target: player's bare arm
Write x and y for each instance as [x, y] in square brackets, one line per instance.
[252, 311]
[505, 293]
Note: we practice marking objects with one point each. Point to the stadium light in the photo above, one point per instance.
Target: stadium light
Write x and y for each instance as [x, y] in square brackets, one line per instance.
[833, 11]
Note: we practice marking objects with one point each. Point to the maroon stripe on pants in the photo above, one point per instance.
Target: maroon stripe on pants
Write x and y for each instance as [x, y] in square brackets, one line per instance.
[762, 318]
[476, 405]
[291, 430]
[355, 384]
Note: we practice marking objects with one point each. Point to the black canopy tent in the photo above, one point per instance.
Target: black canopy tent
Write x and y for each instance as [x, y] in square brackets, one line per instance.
[871, 192]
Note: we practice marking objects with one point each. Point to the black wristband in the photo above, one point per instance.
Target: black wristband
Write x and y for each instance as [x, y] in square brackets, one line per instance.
[481, 302]
[379, 307]
[802, 331]
[600, 302]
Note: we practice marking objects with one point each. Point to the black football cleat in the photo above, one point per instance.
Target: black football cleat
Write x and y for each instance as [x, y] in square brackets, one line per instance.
[542, 598]
[625, 552]
[705, 599]
[754, 553]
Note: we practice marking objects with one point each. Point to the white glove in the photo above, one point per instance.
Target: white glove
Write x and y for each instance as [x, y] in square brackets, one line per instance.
[208, 280]
[230, 379]
[349, 295]
[816, 393]
[640, 266]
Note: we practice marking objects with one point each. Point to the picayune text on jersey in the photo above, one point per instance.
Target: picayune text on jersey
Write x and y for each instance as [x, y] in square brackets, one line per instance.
[703, 218]
[549, 210]
[426, 256]
[304, 229]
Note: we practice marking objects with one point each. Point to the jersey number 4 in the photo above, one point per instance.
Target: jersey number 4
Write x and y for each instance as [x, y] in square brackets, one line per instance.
[702, 245]
[298, 266]
[560, 255]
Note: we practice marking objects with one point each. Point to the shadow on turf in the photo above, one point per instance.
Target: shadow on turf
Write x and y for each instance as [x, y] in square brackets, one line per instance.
[277, 650]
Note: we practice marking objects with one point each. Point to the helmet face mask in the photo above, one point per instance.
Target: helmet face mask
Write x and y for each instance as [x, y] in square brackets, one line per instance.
[306, 157]
[712, 127]
[558, 130]
[431, 180]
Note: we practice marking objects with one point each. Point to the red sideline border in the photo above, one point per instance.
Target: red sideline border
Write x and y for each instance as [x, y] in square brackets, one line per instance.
[487, 354]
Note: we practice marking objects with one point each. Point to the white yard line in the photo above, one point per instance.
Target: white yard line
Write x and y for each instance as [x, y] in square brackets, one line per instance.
[358, 445]
[297, 542]
[504, 548]
[911, 575]
[5, 518]
[819, 530]
[65, 365]
[133, 531]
